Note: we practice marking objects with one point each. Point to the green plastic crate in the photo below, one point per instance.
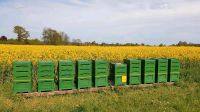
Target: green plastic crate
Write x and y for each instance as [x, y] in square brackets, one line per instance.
[84, 68]
[22, 70]
[161, 70]
[66, 74]
[22, 87]
[45, 70]
[119, 69]
[100, 81]
[134, 79]
[148, 71]
[25, 64]
[66, 84]
[119, 80]
[84, 74]
[22, 77]
[66, 69]
[118, 74]
[84, 64]
[174, 70]
[100, 64]
[134, 71]
[100, 73]
[84, 82]
[45, 85]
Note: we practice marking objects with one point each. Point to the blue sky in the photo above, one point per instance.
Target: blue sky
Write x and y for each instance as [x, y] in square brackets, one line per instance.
[141, 21]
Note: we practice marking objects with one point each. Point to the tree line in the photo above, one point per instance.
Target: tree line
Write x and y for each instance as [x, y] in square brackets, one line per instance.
[49, 36]
[53, 37]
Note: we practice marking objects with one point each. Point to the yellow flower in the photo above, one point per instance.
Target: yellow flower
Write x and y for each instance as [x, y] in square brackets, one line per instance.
[9, 53]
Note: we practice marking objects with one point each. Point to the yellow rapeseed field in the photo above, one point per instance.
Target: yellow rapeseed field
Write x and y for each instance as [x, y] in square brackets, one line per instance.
[183, 96]
[9, 53]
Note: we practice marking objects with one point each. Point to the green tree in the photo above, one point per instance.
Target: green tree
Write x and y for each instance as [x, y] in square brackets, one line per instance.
[161, 45]
[51, 36]
[182, 43]
[64, 37]
[21, 33]
[76, 41]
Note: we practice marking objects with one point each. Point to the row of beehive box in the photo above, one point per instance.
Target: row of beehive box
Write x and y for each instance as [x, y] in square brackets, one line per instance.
[96, 73]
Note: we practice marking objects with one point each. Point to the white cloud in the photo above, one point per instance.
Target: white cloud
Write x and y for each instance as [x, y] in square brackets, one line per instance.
[144, 21]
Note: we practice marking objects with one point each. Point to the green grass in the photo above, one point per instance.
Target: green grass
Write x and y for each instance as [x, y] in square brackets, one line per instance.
[183, 97]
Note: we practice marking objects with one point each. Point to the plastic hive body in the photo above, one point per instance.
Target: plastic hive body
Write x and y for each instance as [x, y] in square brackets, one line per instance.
[148, 71]
[118, 74]
[174, 70]
[84, 74]
[45, 75]
[66, 74]
[22, 77]
[134, 72]
[161, 70]
[100, 73]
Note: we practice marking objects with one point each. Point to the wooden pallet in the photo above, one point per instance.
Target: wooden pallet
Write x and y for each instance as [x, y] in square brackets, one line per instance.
[98, 89]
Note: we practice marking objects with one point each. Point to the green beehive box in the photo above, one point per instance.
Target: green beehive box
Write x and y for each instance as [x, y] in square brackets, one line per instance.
[22, 87]
[84, 82]
[26, 64]
[148, 71]
[174, 70]
[45, 76]
[84, 74]
[22, 70]
[66, 74]
[45, 70]
[161, 70]
[84, 64]
[45, 85]
[22, 77]
[119, 69]
[134, 71]
[100, 81]
[118, 74]
[66, 69]
[100, 73]
[100, 64]
[66, 84]
[84, 68]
